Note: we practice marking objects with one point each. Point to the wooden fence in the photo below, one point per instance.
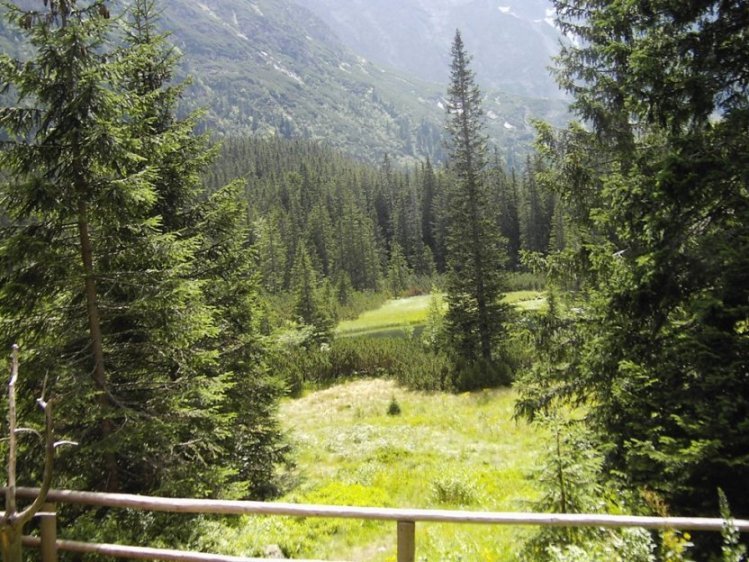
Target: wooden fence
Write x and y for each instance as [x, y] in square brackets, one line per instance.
[405, 520]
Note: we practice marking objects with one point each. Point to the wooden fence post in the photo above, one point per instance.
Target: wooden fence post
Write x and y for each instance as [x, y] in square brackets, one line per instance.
[48, 531]
[406, 541]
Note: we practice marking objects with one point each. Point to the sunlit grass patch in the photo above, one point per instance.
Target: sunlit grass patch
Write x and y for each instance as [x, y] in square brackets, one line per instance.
[395, 313]
[444, 451]
[400, 317]
[526, 300]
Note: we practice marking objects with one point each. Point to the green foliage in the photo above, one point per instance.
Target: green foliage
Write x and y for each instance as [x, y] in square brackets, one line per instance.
[476, 256]
[570, 478]
[623, 546]
[732, 549]
[658, 194]
[308, 306]
[405, 360]
[454, 489]
[675, 546]
[131, 288]
[434, 331]
[478, 374]
[394, 409]
[359, 302]
[398, 272]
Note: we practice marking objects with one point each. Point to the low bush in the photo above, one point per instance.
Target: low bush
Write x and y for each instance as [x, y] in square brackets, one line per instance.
[454, 490]
[403, 359]
[481, 374]
[394, 409]
[360, 301]
[526, 281]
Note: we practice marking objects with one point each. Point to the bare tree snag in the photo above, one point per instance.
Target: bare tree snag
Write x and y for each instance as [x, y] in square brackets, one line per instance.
[12, 521]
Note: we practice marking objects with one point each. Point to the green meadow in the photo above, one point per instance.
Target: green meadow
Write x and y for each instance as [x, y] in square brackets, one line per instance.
[443, 451]
[398, 316]
[440, 451]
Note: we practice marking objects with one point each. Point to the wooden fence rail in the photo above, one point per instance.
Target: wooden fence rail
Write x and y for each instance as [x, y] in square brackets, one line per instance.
[406, 520]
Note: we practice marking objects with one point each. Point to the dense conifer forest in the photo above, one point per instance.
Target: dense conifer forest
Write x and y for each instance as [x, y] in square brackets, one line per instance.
[170, 292]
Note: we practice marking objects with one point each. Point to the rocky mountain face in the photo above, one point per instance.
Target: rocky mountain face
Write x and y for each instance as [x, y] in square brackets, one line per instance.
[272, 67]
[512, 41]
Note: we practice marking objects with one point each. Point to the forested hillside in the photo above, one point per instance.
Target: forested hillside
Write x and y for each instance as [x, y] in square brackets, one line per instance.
[271, 67]
[352, 218]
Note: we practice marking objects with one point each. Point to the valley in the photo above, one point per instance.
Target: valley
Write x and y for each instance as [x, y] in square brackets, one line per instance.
[341, 252]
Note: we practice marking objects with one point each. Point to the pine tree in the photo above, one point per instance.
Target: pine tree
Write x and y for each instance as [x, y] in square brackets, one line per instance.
[428, 219]
[127, 299]
[222, 267]
[658, 190]
[398, 272]
[475, 317]
[308, 307]
[271, 251]
[508, 221]
[535, 221]
[74, 179]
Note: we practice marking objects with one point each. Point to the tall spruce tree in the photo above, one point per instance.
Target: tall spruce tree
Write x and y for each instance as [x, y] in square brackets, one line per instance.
[508, 221]
[308, 306]
[137, 298]
[476, 258]
[74, 178]
[659, 191]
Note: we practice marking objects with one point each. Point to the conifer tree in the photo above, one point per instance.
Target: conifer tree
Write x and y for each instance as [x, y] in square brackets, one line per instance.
[475, 317]
[308, 307]
[428, 220]
[222, 265]
[658, 189]
[73, 177]
[97, 146]
[398, 271]
[534, 216]
[508, 221]
[271, 251]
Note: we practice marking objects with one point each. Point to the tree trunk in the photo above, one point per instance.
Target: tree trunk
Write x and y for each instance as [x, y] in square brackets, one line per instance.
[97, 345]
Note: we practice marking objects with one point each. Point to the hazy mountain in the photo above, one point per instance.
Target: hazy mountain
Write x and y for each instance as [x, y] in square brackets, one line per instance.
[511, 40]
[271, 67]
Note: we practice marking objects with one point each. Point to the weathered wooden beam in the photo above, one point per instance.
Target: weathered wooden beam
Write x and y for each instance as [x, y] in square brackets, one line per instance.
[406, 541]
[142, 553]
[48, 532]
[226, 507]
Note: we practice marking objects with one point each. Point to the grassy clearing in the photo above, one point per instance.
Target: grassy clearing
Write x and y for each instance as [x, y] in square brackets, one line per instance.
[526, 300]
[394, 314]
[443, 451]
[399, 316]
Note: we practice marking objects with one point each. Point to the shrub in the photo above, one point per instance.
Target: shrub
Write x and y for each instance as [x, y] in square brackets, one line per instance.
[571, 479]
[394, 408]
[481, 374]
[526, 281]
[454, 490]
[405, 360]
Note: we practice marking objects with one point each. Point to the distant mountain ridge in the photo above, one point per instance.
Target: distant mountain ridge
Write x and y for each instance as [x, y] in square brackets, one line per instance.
[272, 67]
[512, 41]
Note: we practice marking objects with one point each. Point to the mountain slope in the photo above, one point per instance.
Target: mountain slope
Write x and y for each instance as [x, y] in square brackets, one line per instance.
[511, 40]
[271, 67]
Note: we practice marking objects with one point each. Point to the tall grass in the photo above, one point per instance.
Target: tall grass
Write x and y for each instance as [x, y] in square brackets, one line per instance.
[443, 451]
